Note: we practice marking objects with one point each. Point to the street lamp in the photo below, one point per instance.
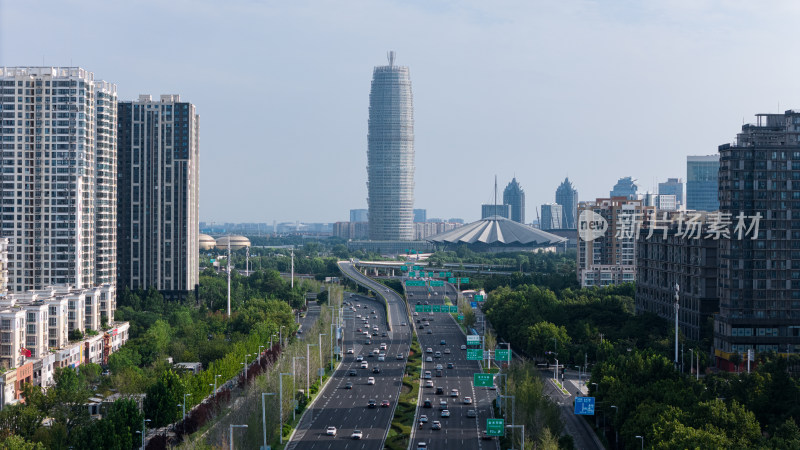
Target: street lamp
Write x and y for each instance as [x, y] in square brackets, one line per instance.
[215, 383]
[143, 431]
[642, 438]
[294, 389]
[616, 432]
[523, 433]
[245, 366]
[184, 409]
[231, 434]
[280, 407]
[264, 417]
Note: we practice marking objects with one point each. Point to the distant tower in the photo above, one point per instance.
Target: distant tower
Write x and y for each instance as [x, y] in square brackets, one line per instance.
[702, 178]
[390, 154]
[625, 187]
[567, 197]
[514, 195]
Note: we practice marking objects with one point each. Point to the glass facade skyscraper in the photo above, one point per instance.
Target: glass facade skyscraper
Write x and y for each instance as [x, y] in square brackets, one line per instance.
[514, 195]
[702, 174]
[390, 154]
[567, 197]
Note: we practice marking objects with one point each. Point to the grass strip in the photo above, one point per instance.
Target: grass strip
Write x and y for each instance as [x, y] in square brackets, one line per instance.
[403, 420]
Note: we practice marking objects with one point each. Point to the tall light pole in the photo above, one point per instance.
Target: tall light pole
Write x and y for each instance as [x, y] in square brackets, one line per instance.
[232, 426]
[642, 438]
[292, 267]
[184, 411]
[264, 416]
[245, 366]
[229, 276]
[320, 359]
[280, 408]
[616, 432]
[294, 389]
[677, 307]
[215, 383]
[308, 369]
[143, 432]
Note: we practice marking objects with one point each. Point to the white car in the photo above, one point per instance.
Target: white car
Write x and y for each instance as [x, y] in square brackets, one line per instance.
[423, 418]
[371, 380]
[364, 365]
[359, 358]
[350, 351]
[331, 431]
[428, 383]
[382, 357]
[428, 359]
[357, 434]
[428, 350]
[383, 345]
[445, 413]
[454, 393]
[467, 400]
[463, 347]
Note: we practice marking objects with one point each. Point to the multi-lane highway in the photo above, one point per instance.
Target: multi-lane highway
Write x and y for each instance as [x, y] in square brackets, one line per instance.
[347, 407]
[462, 428]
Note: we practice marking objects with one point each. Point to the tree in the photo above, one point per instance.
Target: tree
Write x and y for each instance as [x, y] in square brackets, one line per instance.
[469, 318]
[546, 336]
[14, 442]
[160, 404]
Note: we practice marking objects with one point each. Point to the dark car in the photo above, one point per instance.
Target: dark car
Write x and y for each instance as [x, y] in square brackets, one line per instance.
[427, 403]
[376, 370]
[352, 373]
[372, 403]
[443, 342]
[450, 365]
[368, 342]
[348, 385]
[421, 327]
[439, 391]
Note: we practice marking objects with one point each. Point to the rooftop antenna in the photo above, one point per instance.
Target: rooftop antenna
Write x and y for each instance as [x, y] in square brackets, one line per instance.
[495, 195]
[391, 55]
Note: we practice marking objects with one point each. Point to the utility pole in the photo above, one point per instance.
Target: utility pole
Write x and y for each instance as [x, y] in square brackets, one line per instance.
[229, 276]
[292, 267]
[677, 307]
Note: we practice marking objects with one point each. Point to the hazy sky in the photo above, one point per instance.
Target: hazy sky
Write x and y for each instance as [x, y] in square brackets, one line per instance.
[595, 90]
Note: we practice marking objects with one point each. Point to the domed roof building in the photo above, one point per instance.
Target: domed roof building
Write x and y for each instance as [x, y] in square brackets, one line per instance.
[237, 242]
[497, 234]
[207, 242]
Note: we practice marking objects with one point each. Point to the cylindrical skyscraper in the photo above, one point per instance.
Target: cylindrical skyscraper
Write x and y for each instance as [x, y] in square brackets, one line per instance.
[390, 154]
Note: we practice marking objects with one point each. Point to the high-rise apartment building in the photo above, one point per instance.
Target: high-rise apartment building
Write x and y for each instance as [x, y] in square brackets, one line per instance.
[59, 166]
[359, 215]
[567, 197]
[609, 258]
[702, 188]
[390, 154]
[759, 270]
[673, 186]
[552, 215]
[625, 187]
[514, 196]
[159, 228]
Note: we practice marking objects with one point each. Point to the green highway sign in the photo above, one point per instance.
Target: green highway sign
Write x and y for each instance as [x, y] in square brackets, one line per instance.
[473, 339]
[436, 308]
[451, 280]
[502, 355]
[460, 317]
[417, 268]
[404, 268]
[479, 298]
[426, 308]
[418, 308]
[465, 280]
[435, 283]
[474, 354]
[495, 427]
[483, 379]
[415, 282]
[454, 309]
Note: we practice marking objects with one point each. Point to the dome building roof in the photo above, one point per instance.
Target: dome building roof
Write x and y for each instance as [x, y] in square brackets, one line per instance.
[498, 232]
[207, 242]
[237, 242]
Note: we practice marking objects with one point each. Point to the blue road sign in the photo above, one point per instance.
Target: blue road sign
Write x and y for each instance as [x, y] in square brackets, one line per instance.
[473, 304]
[584, 406]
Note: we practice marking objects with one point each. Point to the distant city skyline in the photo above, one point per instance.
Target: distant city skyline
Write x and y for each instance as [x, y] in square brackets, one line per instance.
[280, 89]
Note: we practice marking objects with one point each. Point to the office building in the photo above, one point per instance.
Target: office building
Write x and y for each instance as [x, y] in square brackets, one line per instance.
[390, 154]
[668, 256]
[359, 215]
[552, 215]
[351, 230]
[59, 165]
[495, 210]
[759, 267]
[514, 196]
[420, 215]
[159, 228]
[673, 186]
[611, 257]
[660, 202]
[702, 190]
[567, 197]
[625, 187]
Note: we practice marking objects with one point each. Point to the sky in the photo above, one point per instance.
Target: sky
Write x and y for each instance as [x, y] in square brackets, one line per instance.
[593, 90]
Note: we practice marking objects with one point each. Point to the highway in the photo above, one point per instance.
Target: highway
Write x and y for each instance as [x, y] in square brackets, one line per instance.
[347, 409]
[458, 430]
